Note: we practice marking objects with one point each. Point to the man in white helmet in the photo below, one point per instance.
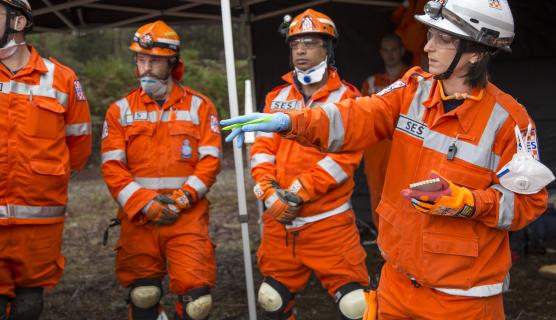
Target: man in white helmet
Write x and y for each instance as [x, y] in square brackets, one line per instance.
[463, 168]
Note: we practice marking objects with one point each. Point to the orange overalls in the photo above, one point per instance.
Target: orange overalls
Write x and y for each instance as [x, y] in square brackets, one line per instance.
[323, 238]
[376, 156]
[149, 150]
[45, 127]
[437, 267]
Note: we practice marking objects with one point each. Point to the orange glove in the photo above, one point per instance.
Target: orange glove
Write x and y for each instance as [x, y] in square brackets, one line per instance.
[448, 200]
[182, 198]
[158, 211]
[282, 205]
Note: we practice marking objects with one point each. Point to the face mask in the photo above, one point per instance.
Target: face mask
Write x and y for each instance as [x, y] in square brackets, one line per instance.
[312, 75]
[154, 87]
[524, 174]
[9, 49]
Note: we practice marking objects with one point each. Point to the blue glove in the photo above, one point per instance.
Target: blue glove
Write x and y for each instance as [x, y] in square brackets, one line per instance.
[278, 122]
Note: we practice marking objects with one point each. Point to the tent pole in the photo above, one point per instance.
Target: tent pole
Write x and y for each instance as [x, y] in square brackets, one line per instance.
[238, 159]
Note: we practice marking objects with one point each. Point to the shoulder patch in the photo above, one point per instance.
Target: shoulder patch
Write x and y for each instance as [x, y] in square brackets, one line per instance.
[79, 93]
[396, 85]
[104, 130]
[214, 125]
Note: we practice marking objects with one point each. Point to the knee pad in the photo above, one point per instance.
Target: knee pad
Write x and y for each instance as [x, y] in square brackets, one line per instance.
[196, 304]
[4, 300]
[274, 298]
[144, 298]
[27, 304]
[351, 301]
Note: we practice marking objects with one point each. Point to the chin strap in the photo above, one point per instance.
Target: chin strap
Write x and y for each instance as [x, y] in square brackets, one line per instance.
[446, 74]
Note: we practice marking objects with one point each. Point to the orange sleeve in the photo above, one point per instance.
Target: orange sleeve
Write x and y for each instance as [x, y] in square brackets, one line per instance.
[130, 196]
[347, 126]
[334, 169]
[500, 208]
[78, 124]
[263, 152]
[210, 152]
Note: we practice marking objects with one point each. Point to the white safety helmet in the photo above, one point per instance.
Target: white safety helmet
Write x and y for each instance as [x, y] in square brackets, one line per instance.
[489, 22]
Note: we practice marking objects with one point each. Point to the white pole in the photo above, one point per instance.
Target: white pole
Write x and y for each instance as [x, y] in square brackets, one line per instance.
[238, 159]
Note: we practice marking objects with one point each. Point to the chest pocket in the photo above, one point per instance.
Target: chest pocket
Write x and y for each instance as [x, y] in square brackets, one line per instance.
[184, 138]
[45, 118]
[138, 138]
[465, 174]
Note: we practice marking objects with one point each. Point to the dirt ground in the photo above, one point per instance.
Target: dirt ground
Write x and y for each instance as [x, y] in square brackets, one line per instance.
[89, 289]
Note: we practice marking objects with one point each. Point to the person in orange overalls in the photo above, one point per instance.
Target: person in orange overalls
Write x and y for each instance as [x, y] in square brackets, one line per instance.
[308, 224]
[45, 127]
[161, 151]
[376, 156]
[462, 169]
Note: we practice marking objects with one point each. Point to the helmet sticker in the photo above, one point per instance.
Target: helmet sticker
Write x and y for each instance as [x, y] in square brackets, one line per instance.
[495, 4]
[307, 24]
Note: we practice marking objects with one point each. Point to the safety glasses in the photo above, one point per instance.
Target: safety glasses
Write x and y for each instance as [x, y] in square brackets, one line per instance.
[306, 43]
[442, 40]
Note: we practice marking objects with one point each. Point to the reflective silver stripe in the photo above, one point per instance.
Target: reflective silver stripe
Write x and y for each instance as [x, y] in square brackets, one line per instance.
[78, 129]
[205, 151]
[505, 207]
[336, 95]
[125, 112]
[116, 155]
[300, 221]
[259, 158]
[416, 109]
[335, 127]
[271, 200]
[180, 115]
[261, 134]
[31, 212]
[155, 183]
[479, 291]
[480, 155]
[195, 104]
[127, 192]
[283, 94]
[45, 88]
[333, 169]
[198, 185]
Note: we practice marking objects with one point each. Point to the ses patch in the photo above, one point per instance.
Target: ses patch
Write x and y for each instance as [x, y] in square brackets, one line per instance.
[531, 142]
[104, 130]
[214, 125]
[79, 93]
[396, 85]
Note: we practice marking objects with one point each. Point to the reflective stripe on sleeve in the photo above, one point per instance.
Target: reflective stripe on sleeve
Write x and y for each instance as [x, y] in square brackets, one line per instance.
[271, 200]
[205, 151]
[116, 155]
[194, 111]
[198, 185]
[78, 129]
[335, 127]
[259, 158]
[262, 134]
[127, 192]
[505, 207]
[333, 169]
[336, 95]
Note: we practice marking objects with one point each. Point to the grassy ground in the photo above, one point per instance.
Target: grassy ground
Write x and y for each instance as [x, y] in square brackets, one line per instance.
[89, 289]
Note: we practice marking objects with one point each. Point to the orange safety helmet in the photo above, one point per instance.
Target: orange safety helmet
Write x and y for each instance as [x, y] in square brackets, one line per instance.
[310, 22]
[158, 39]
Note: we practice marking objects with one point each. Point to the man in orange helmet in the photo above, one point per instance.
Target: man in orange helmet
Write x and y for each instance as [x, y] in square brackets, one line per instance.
[161, 152]
[46, 133]
[308, 223]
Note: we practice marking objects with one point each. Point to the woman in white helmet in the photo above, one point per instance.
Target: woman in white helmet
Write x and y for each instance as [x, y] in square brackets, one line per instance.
[463, 168]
